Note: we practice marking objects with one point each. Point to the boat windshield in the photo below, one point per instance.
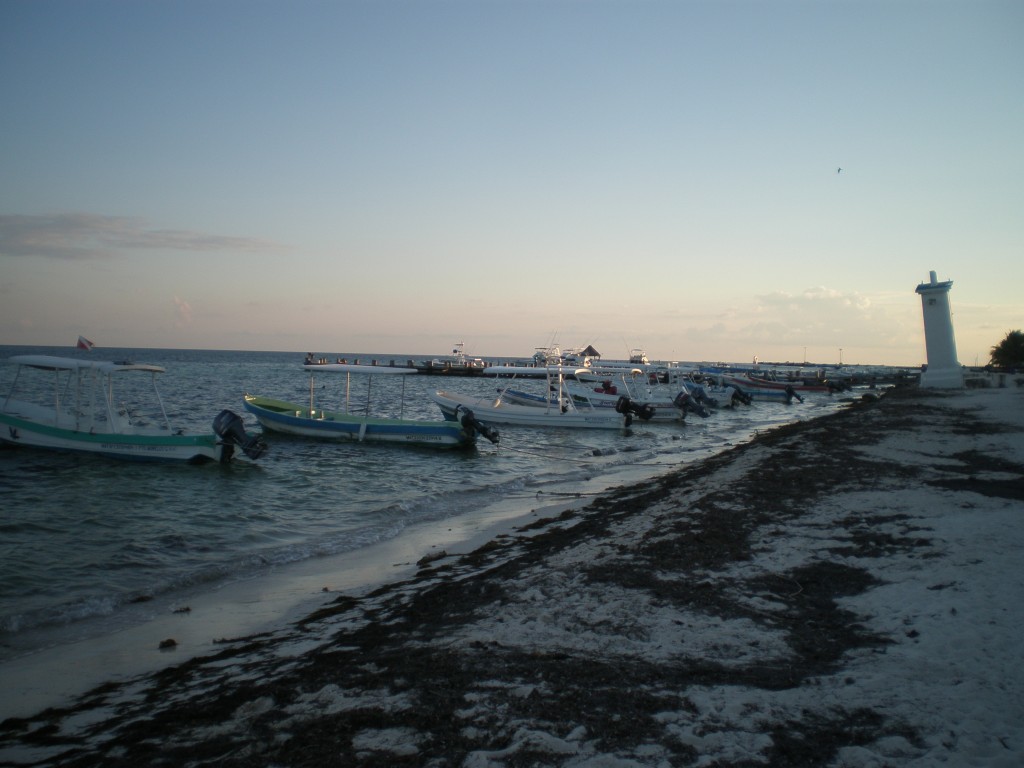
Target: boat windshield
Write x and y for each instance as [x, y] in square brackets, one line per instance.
[81, 394]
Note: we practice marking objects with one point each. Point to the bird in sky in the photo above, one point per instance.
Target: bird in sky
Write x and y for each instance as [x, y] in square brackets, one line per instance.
[839, 170]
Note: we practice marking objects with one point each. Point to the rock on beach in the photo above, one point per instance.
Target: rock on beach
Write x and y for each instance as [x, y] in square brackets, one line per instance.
[839, 592]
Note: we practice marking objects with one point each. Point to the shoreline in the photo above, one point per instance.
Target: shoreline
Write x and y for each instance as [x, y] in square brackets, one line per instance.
[85, 657]
[836, 589]
[50, 676]
[50, 666]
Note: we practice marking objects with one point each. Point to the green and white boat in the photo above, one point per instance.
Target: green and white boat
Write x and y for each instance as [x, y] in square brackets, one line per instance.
[356, 424]
[70, 405]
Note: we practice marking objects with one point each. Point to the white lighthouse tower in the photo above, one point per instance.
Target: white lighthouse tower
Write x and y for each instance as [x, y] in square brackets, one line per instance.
[944, 370]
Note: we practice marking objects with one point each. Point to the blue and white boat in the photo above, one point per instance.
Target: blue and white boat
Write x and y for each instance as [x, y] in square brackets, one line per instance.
[604, 398]
[309, 420]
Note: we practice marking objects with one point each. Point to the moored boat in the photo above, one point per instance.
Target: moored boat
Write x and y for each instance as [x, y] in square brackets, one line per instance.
[456, 364]
[502, 412]
[75, 409]
[557, 409]
[670, 401]
[310, 420]
[757, 384]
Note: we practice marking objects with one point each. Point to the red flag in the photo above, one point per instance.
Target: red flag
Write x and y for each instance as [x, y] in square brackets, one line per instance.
[84, 343]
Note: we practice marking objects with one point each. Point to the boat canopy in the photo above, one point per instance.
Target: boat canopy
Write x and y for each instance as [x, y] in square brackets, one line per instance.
[54, 363]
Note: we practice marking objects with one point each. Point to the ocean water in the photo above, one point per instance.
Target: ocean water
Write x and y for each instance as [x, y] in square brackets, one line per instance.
[84, 539]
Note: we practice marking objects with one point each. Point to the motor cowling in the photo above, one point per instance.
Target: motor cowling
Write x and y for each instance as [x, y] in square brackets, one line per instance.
[229, 428]
[685, 402]
[700, 394]
[470, 422]
[741, 396]
[629, 409]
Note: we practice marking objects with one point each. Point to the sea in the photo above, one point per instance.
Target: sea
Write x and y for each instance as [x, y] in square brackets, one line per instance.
[85, 541]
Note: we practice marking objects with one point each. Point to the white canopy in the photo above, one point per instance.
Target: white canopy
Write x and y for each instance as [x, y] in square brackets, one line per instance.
[54, 363]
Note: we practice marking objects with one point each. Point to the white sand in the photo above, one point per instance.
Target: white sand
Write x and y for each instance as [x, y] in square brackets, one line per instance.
[956, 669]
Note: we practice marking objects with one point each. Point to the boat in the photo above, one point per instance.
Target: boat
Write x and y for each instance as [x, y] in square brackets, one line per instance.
[761, 386]
[671, 401]
[661, 405]
[750, 395]
[546, 360]
[456, 364]
[70, 405]
[310, 420]
[583, 398]
[558, 409]
[638, 357]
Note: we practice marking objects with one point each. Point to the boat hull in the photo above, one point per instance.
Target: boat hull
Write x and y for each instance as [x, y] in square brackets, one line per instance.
[293, 419]
[767, 394]
[130, 447]
[663, 411]
[752, 385]
[664, 407]
[499, 412]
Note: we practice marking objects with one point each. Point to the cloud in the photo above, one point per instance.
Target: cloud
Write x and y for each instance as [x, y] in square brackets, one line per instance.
[82, 236]
[182, 313]
[820, 315]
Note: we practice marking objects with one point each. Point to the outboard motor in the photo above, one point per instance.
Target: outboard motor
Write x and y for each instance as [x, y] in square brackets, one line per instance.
[698, 393]
[739, 394]
[466, 418]
[229, 428]
[629, 409]
[684, 402]
[790, 394]
[836, 386]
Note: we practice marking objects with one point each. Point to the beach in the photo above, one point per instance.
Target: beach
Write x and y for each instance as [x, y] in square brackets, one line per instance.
[844, 591]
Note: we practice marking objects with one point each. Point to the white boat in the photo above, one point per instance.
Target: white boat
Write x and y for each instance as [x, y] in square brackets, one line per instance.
[671, 402]
[761, 389]
[661, 406]
[557, 410]
[458, 359]
[711, 391]
[546, 360]
[456, 364]
[309, 420]
[577, 357]
[501, 412]
[715, 396]
[70, 405]
[585, 398]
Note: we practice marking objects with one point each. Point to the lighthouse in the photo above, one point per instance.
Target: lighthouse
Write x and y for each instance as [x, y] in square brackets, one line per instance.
[944, 370]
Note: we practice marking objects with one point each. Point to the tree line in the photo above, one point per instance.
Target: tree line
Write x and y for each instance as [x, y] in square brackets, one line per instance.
[1009, 353]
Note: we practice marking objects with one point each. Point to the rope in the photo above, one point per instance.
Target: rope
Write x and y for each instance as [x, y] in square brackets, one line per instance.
[570, 494]
[541, 455]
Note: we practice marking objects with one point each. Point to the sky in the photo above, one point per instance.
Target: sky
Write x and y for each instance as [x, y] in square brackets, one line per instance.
[398, 176]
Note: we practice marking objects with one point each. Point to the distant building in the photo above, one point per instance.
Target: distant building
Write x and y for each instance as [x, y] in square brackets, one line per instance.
[944, 370]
